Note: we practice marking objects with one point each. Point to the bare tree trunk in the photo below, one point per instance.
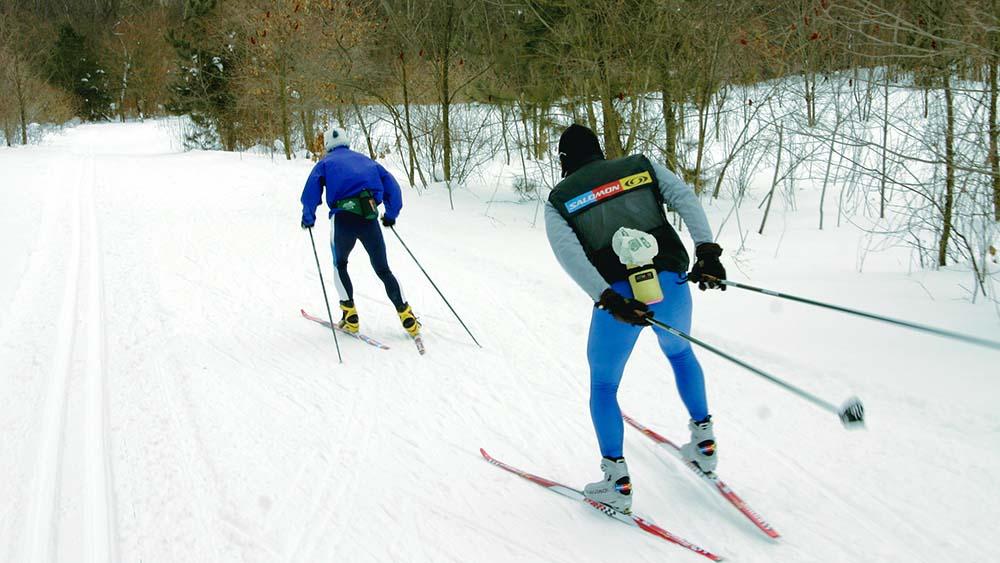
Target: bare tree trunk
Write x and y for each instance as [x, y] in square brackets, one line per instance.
[446, 103]
[503, 132]
[411, 149]
[308, 118]
[591, 116]
[810, 95]
[949, 157]
[21, 102]
[121, 98]
[127, 65]
[829, 163]
[994, 134]
[286, 134]
[522, 112]
[536, 131]
[703, 105]
[527, 140]
[633, 124]
[543, 137]
[704, 102]
[611, 121]
[738, 144]
[885, 141]
[669, 120]
[364, 127]
[774, 180]
[341, 118]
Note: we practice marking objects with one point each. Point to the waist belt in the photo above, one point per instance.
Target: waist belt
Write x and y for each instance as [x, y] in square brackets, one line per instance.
[363, 205]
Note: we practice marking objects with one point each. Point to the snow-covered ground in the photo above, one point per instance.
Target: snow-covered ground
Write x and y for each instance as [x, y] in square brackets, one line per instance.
[162, 400]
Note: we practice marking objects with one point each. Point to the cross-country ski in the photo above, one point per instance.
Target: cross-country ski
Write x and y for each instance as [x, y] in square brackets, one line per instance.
[362, 337]
[711, 479]
[629, 519]
[418, 340]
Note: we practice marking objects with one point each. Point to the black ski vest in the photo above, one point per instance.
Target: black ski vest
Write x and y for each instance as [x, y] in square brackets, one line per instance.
[605, 195]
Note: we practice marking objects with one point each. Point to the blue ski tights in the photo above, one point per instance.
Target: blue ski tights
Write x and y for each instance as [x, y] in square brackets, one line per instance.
[610, 345]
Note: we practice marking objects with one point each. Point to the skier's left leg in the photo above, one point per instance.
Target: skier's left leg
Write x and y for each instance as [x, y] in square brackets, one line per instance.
[675, 310]
[374, 243]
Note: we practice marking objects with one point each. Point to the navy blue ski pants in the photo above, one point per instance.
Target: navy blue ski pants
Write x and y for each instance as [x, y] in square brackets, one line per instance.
[610, 345]
[346, 229]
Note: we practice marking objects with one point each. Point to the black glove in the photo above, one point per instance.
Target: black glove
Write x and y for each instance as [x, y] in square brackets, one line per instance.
[707, 265]
[387, 222]
[308, 224]
[624, 309]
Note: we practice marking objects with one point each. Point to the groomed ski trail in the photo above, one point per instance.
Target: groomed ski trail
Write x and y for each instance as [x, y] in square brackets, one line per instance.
[79, 356]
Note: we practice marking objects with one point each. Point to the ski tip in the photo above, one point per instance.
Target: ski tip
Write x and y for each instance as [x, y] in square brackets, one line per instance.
[483, 453]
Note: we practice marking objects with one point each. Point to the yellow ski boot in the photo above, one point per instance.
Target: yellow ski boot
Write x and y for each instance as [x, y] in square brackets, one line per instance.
[349, 320]
[410, 323]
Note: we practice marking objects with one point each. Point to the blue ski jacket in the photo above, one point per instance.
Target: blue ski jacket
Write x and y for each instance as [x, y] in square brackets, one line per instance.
[345, 173]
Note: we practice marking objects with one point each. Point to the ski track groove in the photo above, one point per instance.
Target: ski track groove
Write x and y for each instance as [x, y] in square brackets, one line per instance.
[79, 309]
[100, 503]
[41, 529]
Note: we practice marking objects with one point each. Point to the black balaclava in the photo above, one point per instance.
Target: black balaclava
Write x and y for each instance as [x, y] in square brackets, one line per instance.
[578, 145]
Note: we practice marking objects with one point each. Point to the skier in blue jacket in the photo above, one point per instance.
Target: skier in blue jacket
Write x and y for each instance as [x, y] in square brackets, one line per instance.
[608, 229]
[355, 186]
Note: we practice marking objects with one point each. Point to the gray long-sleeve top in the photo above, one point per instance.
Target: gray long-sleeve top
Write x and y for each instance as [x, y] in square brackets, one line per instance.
[571, 256]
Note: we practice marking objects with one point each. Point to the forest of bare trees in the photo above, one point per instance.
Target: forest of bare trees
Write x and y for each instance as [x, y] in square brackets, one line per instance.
[889, 105]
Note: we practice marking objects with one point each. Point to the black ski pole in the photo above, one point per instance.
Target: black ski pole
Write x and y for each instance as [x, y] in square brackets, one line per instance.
[393, 229]
[929, 329]
[851, 413]
[325, 298]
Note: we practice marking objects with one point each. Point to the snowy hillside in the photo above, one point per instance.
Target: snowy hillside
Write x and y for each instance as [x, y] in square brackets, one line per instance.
[162, 400]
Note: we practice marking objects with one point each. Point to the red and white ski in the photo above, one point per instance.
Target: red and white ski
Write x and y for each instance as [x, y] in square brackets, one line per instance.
[711, 478]
[628, 519]
[358, 335]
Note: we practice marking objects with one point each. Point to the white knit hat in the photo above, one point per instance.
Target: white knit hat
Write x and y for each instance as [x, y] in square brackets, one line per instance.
[335, 137]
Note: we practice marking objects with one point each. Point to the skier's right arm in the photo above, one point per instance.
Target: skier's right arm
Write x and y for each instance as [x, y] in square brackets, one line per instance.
[570, 254]
[680, 196]
[312, 195]
[392, 195]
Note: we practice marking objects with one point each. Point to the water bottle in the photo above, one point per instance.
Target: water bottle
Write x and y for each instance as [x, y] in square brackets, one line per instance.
[636, 251]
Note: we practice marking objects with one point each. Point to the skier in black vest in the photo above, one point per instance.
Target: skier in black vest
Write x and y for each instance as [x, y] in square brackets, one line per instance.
[608, 228]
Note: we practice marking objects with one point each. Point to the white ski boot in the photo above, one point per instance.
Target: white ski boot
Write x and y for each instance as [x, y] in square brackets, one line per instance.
[701, 449]
[615, 490]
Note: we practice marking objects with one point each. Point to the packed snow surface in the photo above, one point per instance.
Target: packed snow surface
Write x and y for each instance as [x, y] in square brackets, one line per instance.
[162, 400]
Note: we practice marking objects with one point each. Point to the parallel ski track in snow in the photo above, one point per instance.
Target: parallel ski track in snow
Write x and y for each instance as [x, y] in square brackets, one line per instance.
[79, 351]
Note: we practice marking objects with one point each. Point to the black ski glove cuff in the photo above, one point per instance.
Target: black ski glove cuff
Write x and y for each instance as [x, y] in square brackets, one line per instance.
[707, 264]
[387, 222]
[624, 309]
